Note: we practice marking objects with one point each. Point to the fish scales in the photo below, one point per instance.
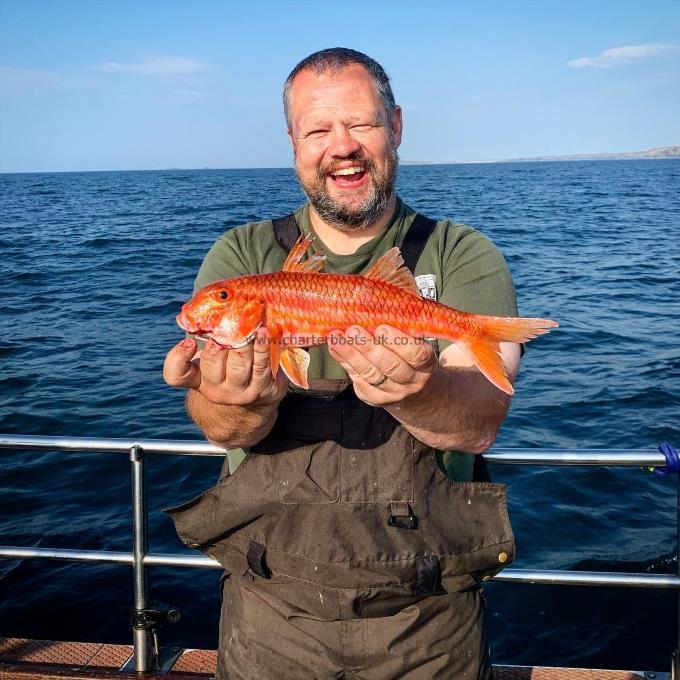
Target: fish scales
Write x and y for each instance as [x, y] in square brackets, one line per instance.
[300, 307]
[324, 302]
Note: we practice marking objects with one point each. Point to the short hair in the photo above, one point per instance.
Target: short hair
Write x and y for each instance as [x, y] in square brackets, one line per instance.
[334, 59]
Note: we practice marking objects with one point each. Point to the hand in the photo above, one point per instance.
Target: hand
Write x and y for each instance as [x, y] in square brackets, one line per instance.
[408, 363]
[231, 377]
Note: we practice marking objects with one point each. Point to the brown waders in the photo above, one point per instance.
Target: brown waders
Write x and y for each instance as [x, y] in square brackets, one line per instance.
[347, 551]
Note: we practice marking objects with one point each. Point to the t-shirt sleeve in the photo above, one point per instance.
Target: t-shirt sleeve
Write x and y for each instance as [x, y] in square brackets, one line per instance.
[224, 260]
[475, 276]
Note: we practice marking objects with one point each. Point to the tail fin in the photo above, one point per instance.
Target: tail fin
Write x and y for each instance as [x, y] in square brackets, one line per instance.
[510, 329]
[484, 350]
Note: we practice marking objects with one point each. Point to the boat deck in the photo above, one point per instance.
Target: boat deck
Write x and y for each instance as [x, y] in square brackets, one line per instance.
[44, 659]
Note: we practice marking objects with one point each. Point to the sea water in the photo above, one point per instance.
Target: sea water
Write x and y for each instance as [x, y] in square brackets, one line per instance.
[94, 267]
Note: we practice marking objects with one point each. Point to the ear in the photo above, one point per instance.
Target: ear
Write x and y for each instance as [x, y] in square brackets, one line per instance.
[291, 139]
[397, 126]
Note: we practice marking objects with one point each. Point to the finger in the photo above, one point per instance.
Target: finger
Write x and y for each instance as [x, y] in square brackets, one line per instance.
[213, 363]
[261, 371]
[348, 349]
[239, 366]
[416, 352]
[348, 368]
[383, 359]
[336, 348]
[178, 368]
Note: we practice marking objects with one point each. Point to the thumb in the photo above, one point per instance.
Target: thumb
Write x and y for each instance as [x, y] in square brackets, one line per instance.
[178, 369]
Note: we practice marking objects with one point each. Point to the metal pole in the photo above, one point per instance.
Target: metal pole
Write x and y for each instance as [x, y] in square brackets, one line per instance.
[141, 636]
[504, 455]
[675, 663]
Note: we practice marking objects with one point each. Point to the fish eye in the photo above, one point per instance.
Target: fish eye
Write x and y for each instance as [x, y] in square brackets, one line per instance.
[223, 295]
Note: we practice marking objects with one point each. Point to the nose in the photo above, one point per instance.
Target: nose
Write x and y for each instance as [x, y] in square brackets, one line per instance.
[181, 321]
[185, 323]
[342, 144]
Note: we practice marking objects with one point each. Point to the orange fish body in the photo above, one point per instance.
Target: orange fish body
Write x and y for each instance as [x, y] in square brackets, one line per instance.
[300, 307]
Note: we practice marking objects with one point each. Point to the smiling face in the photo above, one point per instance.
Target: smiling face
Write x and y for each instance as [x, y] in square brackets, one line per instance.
[344, 145]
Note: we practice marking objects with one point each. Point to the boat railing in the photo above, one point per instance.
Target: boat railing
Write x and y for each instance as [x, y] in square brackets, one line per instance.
[145, 619]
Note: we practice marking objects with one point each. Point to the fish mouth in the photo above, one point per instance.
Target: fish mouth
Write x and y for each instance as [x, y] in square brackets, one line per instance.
[193, 330]
[206, 335]
[185, 324]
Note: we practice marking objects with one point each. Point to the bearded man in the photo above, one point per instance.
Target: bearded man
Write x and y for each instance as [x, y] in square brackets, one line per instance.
[353, 537]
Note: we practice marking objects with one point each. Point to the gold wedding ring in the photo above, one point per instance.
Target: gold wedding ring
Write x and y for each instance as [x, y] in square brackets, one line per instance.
[380, 382]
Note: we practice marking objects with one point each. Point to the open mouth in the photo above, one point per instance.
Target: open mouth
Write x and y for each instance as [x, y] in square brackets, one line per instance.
[192, 329]
[348, 177]
[215, 337]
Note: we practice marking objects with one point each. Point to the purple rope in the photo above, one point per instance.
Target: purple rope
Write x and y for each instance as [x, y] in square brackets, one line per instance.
[672, 461]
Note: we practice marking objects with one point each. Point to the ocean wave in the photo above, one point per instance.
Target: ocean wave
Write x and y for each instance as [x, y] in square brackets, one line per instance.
[90, 290]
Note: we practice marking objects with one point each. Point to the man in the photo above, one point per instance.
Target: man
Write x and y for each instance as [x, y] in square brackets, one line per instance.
[348, 553]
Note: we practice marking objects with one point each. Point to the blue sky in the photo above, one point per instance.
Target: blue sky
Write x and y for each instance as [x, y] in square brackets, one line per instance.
[144, 84]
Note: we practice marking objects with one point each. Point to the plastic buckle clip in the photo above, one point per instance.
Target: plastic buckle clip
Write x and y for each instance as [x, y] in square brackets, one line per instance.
[401, 516]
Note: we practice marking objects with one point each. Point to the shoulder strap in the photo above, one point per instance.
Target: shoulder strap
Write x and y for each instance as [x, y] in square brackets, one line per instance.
[414, 242]
[286, 231]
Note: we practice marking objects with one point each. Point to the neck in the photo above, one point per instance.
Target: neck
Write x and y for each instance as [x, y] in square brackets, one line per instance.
[348, 242]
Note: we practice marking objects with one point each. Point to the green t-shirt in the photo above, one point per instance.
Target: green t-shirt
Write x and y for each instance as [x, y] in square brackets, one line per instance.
[469, 273]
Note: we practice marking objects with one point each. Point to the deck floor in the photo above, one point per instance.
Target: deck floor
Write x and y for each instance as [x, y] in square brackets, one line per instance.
[44, 659]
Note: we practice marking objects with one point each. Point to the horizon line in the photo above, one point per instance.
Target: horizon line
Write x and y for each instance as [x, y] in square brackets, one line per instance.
[545, 158]
[409, 163]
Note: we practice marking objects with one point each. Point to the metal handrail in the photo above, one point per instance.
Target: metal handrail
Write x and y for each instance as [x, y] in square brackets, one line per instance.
[140, 558]
[510, 575]
[507, 455]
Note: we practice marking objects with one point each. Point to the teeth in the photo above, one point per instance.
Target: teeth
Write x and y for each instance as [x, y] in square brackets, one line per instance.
[348, 171]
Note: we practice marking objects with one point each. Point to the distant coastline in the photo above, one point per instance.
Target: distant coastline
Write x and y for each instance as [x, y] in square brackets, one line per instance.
[661, 152]
[656, 153]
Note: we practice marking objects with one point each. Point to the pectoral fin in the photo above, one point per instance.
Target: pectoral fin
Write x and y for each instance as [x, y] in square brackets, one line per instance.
[295, 362]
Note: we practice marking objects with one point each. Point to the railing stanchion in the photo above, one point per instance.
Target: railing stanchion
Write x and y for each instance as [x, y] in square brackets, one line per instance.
[675, 664]
[142, 638]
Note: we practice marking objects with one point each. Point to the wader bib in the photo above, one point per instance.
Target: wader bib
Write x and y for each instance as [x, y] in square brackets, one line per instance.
[350, 554]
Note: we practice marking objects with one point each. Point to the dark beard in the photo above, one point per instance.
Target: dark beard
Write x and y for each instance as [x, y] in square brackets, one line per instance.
[370, 211]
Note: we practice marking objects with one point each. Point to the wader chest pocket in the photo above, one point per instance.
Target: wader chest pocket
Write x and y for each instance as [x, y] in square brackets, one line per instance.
[308, 475]
[381, 475]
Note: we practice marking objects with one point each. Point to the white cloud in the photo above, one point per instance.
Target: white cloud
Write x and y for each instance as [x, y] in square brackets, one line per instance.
[618, 56]
[163, 66]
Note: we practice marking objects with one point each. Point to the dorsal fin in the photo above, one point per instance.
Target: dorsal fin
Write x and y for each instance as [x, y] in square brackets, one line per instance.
[390, 268]
[294, 262]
